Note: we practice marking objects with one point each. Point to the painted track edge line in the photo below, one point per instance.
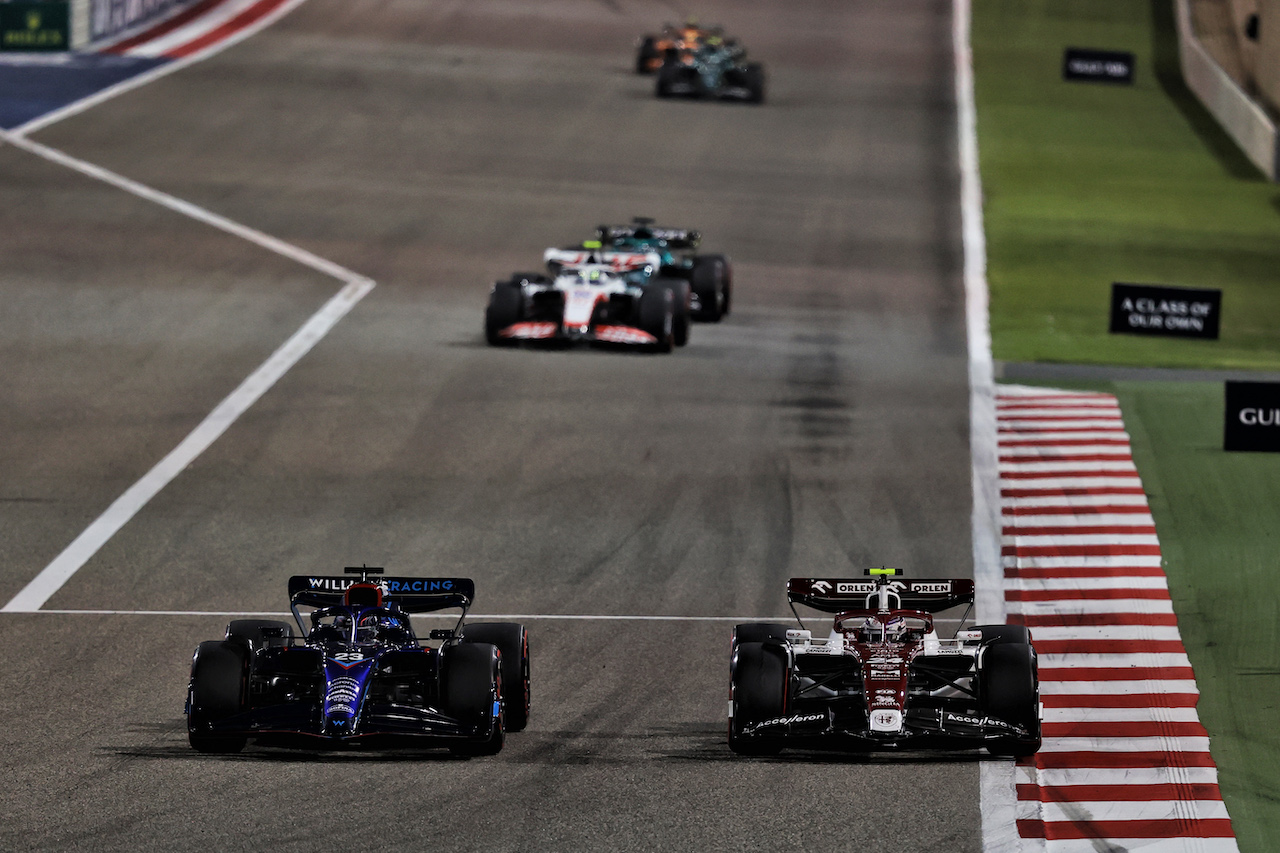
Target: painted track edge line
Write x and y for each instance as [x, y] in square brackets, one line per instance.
[997, 796]
[566, 617]
[99, 532]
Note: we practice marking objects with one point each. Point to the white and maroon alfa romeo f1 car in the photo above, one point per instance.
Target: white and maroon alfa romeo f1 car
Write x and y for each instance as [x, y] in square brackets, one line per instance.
[591, 297]
[882, 678]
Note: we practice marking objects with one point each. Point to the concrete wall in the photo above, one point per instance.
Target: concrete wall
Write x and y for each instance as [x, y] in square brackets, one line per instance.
[1267, 62]
[1240, 116]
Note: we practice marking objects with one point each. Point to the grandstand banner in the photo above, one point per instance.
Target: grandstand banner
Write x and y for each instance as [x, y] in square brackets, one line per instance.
[1148, 309]
[110, 18]
[1252, 416]
[1097, 66]
[30, 27]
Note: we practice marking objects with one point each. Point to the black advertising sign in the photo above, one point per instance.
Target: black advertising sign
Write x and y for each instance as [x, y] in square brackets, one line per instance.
[34, 26]
[1148, 309]
[1097, 66]
[1252, 416]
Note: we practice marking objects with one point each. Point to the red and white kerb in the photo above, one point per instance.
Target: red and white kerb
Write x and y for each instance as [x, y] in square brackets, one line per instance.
[1125, 763]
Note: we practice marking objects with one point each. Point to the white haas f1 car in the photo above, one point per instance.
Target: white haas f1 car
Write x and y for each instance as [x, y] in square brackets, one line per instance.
[592, 297]
[882, 678]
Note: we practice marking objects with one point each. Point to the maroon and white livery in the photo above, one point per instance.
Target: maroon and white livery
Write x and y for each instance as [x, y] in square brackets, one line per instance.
[882, 678]
[591, 297]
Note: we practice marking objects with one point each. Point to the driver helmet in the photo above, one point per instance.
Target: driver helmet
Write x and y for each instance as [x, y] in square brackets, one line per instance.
[895, 630]
[869, 632]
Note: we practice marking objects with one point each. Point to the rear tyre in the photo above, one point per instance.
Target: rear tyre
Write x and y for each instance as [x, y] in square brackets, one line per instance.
[657, 316]
[758, 692]
[646, 56]
[219, 673]
[506, 306]
[512, 640]
[759, 632]
[710, 281]
[1004, 633]
[1011, 692]
[473, 695]
[753, 82]
[252, 632]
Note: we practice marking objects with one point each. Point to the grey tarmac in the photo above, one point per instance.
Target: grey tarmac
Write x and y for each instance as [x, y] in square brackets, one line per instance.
[435, 147]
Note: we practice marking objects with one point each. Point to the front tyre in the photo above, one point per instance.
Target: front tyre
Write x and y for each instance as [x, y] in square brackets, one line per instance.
[758, 692]
[680, 299]
[473, 695]
[657, 316]
[512, 640]
[219, 676]
[506, 307]
[1011, 692]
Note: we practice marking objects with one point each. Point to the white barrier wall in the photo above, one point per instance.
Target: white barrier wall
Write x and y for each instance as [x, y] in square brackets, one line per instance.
[105, 21]
[1243, 119]
[1267, 68]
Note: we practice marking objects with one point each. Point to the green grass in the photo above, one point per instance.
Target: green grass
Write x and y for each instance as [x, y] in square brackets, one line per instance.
[1087, 184]
[1219, 532]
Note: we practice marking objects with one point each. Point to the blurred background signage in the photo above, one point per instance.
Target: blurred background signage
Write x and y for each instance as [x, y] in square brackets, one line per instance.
[1146, 309]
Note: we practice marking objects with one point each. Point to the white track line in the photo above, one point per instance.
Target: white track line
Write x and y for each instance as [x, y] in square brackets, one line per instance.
[51, 579]
[75, 555]
[565, 617]
[186, 208]
[562, 617]
[996, 780]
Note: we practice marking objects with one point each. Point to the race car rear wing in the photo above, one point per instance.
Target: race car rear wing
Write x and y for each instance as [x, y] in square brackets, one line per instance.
[677, 238]
[618, 261]
[835, 595]
[412, 595]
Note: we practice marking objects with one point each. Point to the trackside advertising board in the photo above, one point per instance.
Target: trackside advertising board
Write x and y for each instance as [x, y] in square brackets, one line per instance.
[1181, 312]
[35, 27]
[110, 18]
[1097, 66]
[1252, 416]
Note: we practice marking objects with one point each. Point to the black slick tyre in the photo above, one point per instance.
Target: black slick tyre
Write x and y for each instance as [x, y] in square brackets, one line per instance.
[472, 692]
[506, 306]
[753, 82]
[657, 316]
[669, 75]
[1004, 633]
[646, 55]
[219, 673]
[259, 633]
[680, 302]
[512, 640]
[1010, 692]
[759, 632]
[710, 281]
[758, 692]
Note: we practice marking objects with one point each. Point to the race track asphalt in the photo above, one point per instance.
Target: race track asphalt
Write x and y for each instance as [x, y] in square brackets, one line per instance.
[435, 147]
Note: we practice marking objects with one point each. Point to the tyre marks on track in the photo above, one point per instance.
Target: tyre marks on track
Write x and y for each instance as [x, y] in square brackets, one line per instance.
[1125, 762]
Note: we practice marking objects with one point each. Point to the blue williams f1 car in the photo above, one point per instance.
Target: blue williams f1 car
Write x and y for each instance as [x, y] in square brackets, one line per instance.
[357, 674]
